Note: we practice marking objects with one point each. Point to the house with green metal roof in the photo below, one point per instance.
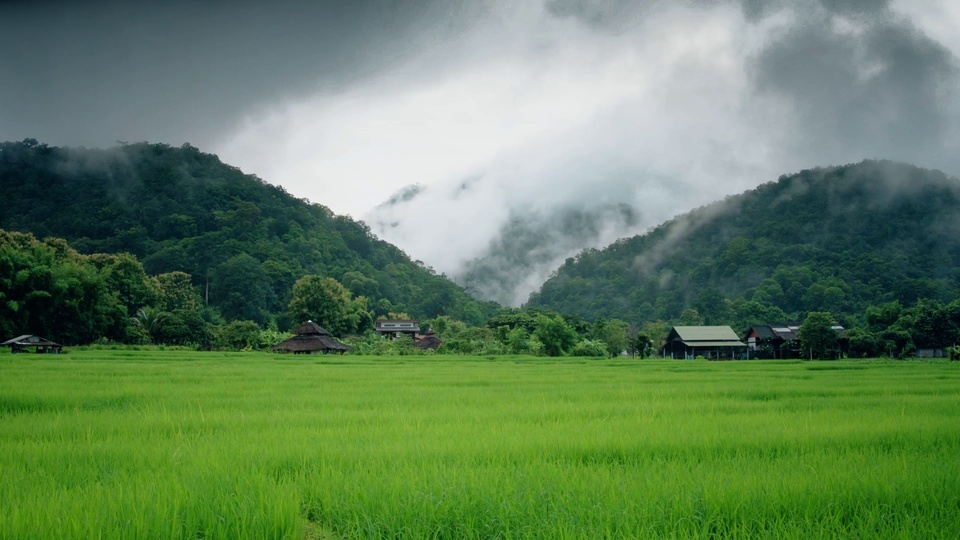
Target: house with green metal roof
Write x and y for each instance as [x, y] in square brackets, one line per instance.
[711, 342]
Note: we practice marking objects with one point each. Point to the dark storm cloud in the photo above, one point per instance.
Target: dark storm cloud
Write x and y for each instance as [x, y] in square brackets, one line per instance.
[94, 72]
[882, 89]
[861, 79]
[616, 13]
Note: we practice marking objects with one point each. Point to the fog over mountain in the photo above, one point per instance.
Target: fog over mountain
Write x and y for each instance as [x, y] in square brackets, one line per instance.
[492, 140]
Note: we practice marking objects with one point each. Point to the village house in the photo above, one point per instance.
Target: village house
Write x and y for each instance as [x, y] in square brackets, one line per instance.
[774, 341]
[393, 329]
[396, 328]
[711, 342]
[781, 341]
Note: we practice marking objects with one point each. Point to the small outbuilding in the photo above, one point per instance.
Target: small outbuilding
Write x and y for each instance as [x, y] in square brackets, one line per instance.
[310, 338]
[427, 340]
[40, 345]
[711, 342]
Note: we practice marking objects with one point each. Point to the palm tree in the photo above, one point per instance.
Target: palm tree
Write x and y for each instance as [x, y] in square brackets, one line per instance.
[147, 318]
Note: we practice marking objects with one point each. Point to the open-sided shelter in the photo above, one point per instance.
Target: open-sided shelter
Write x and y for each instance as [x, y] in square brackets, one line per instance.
[712, 342]
[40, 345]
[309, 338]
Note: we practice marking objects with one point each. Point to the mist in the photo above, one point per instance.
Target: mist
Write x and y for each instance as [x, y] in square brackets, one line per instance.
[494, 140]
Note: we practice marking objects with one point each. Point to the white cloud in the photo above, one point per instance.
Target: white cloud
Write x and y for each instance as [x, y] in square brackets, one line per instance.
[528, 112]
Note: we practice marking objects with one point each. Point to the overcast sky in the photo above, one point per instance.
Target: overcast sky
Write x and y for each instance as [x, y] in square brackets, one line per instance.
[498, 111]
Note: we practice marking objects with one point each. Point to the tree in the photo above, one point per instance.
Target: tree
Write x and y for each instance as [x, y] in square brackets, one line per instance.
[322, 300]
[817, 333]
[518, 340]
[588, 347]
[238, 335]
[613, 334]
[240, 287]
[690, 317]
[176, 292]
[642, 346]
[555, 334]
[712, 307]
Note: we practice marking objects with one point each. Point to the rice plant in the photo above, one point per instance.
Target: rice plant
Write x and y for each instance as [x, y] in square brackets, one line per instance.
[179, 444]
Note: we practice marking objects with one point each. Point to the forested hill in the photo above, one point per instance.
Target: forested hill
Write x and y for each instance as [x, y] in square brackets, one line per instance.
[832, 239]
[243, 241]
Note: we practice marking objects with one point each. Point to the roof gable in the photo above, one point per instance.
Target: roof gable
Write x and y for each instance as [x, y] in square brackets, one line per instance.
[761, 331]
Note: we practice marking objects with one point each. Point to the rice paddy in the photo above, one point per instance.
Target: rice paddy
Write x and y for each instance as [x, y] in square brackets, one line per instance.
[169, 444]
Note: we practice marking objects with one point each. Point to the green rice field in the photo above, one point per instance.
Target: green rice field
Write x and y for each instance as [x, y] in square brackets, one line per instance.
[170, 444]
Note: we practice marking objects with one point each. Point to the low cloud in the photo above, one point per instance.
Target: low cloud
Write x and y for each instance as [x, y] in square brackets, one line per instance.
[530, 129]
[552, 128]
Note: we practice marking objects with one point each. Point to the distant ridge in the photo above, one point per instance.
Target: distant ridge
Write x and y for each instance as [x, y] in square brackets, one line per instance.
[827, 239]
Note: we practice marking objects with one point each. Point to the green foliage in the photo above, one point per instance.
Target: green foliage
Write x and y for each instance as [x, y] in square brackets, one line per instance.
[643, 346]
[240, 287]
[238, 335]
[519, 342]
[183, 327]
[322, 300]
[898, 332]
[837, 239]
[555, 334]
[175, 291]
[613, 334]
[587, 347]
[817, 334]
[48, 289]
[164, 443]
[242, 240]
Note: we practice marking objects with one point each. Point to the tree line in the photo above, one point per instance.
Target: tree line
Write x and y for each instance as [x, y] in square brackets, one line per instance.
[50, 289]
[241, 241]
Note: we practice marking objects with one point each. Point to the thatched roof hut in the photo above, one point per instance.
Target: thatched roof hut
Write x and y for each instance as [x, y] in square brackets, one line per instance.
[311, 338]
[40, 345]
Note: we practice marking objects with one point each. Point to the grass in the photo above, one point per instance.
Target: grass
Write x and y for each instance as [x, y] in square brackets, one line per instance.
[179, 444]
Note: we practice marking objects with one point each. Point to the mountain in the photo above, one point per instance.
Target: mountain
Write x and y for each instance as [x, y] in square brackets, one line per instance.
[243, 241]
[828, 239]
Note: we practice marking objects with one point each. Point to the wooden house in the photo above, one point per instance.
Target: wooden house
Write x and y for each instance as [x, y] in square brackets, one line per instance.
[309, 338]
[40, 345]
[396, 328]
[711, 342]
[782, 341]
[773, 341]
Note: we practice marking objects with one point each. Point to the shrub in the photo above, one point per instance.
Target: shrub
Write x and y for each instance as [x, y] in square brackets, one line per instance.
[589, 347]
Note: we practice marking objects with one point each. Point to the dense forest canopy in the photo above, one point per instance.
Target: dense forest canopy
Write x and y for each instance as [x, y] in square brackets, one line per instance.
[834, 239]
[242, 242]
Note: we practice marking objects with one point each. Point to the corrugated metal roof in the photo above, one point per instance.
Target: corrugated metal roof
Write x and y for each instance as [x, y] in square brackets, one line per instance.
[706, 333]
[763, 331]
[785, 334]
[30, 340]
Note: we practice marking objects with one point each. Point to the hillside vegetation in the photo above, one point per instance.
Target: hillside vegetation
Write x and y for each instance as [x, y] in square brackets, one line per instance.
[242, 241]
[837, 239]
